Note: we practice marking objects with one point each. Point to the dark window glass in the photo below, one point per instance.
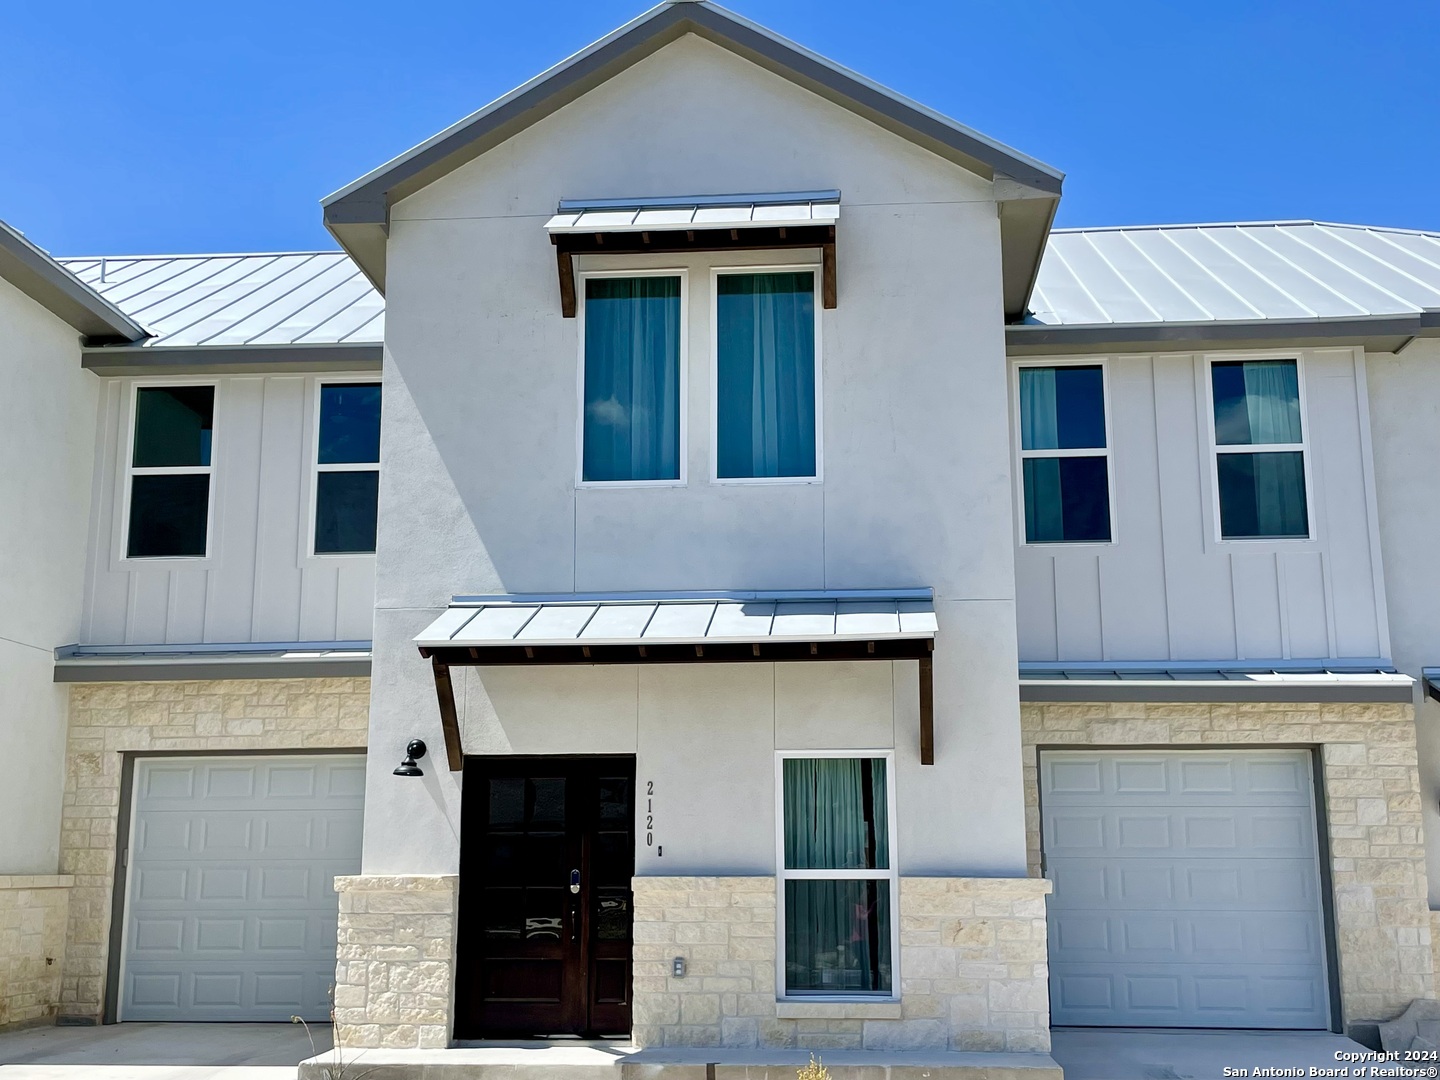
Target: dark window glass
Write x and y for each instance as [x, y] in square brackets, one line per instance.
[173, 426]
[1067, 500]
[1257, 402]
[835, 814]
[1062, 408]
[349, 423]
[1262, 496]
[345, 504]
[837, 937]
[168, 516]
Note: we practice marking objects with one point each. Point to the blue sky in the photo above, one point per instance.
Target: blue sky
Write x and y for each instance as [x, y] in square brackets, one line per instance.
[151, 126]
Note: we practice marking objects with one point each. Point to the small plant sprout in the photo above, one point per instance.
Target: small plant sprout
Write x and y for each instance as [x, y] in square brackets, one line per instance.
[814, 1071]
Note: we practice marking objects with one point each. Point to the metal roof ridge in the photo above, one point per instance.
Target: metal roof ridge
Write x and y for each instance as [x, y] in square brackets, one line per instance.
[1277, 223]
[697, 596]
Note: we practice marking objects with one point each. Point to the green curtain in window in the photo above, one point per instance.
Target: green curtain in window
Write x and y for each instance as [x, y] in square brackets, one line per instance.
[1039, 410]
[835, 814]
[1272, 401]
[632, 379]
[765, 375]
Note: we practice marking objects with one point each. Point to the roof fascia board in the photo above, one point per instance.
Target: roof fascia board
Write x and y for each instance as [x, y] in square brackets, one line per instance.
[1381, 333]
[1183, 692]
[49, 284]
[366, 198]
[159, 670]
[231, 359]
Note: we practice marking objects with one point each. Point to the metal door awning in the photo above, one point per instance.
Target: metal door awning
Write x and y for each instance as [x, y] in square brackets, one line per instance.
[679, 223]
[697, 628]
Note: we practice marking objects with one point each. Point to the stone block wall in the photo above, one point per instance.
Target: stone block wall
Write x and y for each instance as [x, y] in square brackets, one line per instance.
[1371, 809]
[972, 969]
[33, 911]
[395, 965]
[107, 719]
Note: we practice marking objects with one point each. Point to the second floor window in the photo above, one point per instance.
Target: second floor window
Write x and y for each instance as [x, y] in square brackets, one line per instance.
[347, 468]
[631, 425]
[170, 472]
[765, 400]
[1064, 460]
[1259, 450]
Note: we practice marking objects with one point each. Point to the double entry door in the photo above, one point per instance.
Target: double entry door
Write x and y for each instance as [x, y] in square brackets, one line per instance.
[547, 851]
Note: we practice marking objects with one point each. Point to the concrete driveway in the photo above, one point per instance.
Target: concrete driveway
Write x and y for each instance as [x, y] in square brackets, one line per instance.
[1130, 1054]
[159, 1052]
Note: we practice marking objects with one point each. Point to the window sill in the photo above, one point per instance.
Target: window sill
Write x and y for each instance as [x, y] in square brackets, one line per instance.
[821, 1009]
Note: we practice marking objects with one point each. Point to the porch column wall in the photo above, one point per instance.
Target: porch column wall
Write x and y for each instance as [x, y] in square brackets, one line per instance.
[972, 968]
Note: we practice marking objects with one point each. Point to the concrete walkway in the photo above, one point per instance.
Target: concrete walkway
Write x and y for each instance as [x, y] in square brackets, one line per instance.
[159, 1052]
[1092, 1054]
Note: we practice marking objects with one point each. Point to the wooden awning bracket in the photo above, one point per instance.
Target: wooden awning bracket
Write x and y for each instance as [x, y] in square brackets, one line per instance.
[568, 245]
[918, 649]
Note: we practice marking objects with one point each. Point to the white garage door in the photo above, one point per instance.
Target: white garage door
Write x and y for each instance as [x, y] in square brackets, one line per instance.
[230, 910]
[1187, 889]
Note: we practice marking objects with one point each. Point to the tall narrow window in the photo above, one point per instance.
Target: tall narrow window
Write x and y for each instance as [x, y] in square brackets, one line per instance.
[170, 472]
[631, 425]
[1063, 457]
[347, 468]
[837, 875]
[1259, 450]
[765, 375]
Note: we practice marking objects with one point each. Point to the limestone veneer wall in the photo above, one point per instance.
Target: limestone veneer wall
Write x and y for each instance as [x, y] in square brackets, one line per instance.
[109, 719]
[972, 969]
[1371, 795]
[32, 946]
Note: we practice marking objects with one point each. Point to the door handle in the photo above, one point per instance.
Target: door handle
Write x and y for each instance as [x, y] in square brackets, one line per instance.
[575, 882]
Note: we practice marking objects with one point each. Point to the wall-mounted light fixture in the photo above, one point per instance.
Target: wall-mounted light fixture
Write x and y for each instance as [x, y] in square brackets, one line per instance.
[414, 749]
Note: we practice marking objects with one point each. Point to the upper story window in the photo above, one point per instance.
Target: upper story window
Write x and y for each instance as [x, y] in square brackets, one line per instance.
[170, 472]
[631, 425]
[347, 468]
[838, 876]
[1064, 459]
[766, 404]
[1259, 450]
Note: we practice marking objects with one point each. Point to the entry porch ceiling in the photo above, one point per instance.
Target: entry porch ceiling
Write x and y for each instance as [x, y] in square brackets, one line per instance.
[668, 628]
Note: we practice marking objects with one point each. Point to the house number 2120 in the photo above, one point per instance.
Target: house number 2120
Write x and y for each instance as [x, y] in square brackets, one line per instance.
[650, 818]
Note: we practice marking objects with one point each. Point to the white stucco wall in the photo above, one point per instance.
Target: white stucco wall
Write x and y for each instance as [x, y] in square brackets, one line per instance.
[47, 412]
[1405, 429]
[479, 494]
[1168, 588]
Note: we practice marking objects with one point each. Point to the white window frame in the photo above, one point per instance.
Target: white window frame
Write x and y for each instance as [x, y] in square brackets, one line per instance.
[131, 471]
[317, 385]
[1259, 448]
[1022, 455]
[815, 269]
[581, 276]
[891, 874]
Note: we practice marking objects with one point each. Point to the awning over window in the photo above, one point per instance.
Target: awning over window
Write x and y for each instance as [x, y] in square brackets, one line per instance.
[677, 223]
[895, 624]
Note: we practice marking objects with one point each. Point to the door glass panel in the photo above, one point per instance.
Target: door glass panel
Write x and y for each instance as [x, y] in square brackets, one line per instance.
[503, 912]
[615, 799]
[544, 914]
[614, 859]
[612, 914]
[507, 801]
[544, 860]
[549, 805]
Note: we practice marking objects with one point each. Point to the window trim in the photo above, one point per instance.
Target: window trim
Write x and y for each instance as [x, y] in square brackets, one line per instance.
[317, 385]
[747, 481]
[127, 449]
[782, 875]
[1303, 446]
[581, 276]
[1022, 455]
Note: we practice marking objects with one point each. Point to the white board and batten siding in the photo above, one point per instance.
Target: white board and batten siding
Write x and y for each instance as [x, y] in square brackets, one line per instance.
[1167, 588]
[259, 582]
[1187, 889]
[230, 906]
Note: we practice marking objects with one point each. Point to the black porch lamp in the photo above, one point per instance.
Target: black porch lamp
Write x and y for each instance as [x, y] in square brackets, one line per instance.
[414, 749]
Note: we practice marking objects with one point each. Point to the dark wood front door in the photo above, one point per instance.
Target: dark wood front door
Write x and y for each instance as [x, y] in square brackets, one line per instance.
[547, 850]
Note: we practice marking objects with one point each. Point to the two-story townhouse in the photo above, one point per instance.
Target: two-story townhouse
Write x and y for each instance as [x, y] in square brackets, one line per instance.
[747, 483]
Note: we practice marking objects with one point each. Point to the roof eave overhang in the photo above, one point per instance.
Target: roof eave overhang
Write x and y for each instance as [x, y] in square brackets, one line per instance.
[358, 215]
[49, 284]
[231, 359]
[1181, 692]
[1378, 333]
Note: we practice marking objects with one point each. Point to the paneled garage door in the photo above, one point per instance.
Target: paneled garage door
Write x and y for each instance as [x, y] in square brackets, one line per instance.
[230, 908]
[1187, 889]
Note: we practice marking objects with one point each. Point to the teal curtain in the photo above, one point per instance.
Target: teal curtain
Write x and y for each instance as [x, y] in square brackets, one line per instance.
[1044, 505]
[1272, 401]
[837, 932]
[632, 379]
[1039, 410]
[765, 375]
